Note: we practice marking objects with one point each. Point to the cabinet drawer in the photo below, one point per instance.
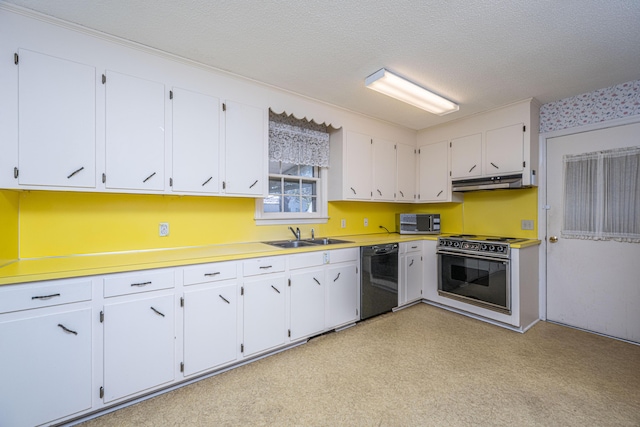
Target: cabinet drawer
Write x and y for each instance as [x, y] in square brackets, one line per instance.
[311, 259]
[210, 273]
[45, 294]
[344, 255]
[254, 267]
[123, 284]
[408, 247]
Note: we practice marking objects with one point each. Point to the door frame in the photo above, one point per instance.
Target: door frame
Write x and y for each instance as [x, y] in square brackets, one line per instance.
[542, 194]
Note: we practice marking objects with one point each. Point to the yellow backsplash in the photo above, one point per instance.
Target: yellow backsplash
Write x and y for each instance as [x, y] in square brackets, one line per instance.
[55, 223]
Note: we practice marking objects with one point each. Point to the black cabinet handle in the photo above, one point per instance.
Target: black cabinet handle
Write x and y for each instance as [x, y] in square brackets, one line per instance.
[474, 166]
[149, 177]
[45, 296]
[75, 172]
[224, 299]
[67, 330]
[255, 182]
[354, 191]
[275, 289]
[207, 181]
[157, 312]
[379, 192]
[438, 195]
[401, 193]
[337, 277]
[316, 280]
[411, 263]
[212, 274]
[493, 164]
[141, 284]
[266, 266]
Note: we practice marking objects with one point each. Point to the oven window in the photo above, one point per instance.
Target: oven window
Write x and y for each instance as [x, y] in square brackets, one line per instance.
[483, 281]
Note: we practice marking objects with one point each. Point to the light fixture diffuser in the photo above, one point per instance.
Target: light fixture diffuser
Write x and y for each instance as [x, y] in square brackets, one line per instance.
[392, 85]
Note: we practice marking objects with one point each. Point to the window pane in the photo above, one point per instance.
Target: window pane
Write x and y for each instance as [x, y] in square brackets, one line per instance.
[308, 188]
[291, 187]
[272, 204]
[274, 167]
[289, 169]
[308, 204]
[291, 204]
[275, 186]
[308, 171]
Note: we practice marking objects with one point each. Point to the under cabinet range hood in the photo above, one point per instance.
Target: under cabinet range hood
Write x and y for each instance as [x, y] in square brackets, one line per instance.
[487, 183]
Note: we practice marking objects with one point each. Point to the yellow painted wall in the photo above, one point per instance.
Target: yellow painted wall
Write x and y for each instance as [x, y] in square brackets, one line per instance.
[9, 214]
[59, 223]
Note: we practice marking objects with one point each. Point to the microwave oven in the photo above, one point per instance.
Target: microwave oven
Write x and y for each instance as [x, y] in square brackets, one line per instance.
[418, 223]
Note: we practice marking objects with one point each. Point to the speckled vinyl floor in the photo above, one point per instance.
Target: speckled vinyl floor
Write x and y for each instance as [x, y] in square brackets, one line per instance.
[422, 366]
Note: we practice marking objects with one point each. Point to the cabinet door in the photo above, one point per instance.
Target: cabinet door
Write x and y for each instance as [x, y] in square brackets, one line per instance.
[434, 172]
[505, 150]
[45, 366]
[196, 142]
[358, 167]
[264, 314]
[466, 156]
[343, 294]
[209, 327]
[245, 150]
[384, 170]
[138, 345]
[134, 133]
[430, 288]
[307, 302]
[57, 121]
[413, 275]
[406, 173]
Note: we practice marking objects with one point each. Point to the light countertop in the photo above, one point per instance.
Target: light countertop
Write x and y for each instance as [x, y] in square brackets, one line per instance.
[50, 268]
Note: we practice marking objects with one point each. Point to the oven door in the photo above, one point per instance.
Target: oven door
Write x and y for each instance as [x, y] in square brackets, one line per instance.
[478, 280]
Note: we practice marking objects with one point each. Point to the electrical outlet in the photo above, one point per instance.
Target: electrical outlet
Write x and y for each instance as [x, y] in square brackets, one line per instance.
[527, 224]
[163, 229]
[343, 223]
[366, 222]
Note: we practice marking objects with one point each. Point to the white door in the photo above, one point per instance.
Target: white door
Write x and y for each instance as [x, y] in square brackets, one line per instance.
[434, 172]
[405, 173]
[466, 156]
[307, 302]
[504, 151]
[591, 284]
[384, 170]
[358, 166]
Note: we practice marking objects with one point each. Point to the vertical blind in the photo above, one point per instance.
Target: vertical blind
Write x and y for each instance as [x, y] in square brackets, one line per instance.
[602, 195]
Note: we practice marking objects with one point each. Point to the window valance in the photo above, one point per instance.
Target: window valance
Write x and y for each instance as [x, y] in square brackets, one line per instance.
[297, 141]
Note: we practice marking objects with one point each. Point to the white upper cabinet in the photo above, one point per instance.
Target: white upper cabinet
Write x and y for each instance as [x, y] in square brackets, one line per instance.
[384, 170]
[134, 133]
[434, 173]
[504, 150]
[359, 155]
[245, 150]
[196, 142]
[56, 121]
[405, 173]
[466, 156]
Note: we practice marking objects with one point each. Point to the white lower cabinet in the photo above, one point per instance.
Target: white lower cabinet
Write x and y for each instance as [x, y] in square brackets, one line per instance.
[307, 303]
[139, 342]
[264, 314]
[210, 326]
[45, 366]
[411, 272]
[343, 286]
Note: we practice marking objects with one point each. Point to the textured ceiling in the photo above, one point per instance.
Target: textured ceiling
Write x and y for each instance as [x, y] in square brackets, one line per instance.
[480, 54]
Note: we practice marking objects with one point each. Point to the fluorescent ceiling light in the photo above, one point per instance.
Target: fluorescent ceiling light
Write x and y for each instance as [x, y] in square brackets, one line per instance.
[396, 87]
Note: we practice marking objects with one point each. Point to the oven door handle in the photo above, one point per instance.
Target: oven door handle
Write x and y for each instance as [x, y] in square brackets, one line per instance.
[463, 255]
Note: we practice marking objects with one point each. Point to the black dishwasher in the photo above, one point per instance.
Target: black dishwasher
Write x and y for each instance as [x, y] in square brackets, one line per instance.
[379, 279]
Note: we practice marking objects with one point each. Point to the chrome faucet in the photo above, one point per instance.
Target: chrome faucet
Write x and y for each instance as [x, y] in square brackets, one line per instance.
[295, 232]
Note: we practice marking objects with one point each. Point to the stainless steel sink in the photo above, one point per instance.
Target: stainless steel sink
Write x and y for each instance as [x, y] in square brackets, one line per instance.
[287, 244]
[326, 241]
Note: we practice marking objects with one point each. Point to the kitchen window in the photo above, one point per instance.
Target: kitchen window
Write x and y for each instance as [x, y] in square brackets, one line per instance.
[298, 161]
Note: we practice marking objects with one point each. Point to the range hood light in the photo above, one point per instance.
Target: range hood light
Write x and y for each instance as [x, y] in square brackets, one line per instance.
[396, 87]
